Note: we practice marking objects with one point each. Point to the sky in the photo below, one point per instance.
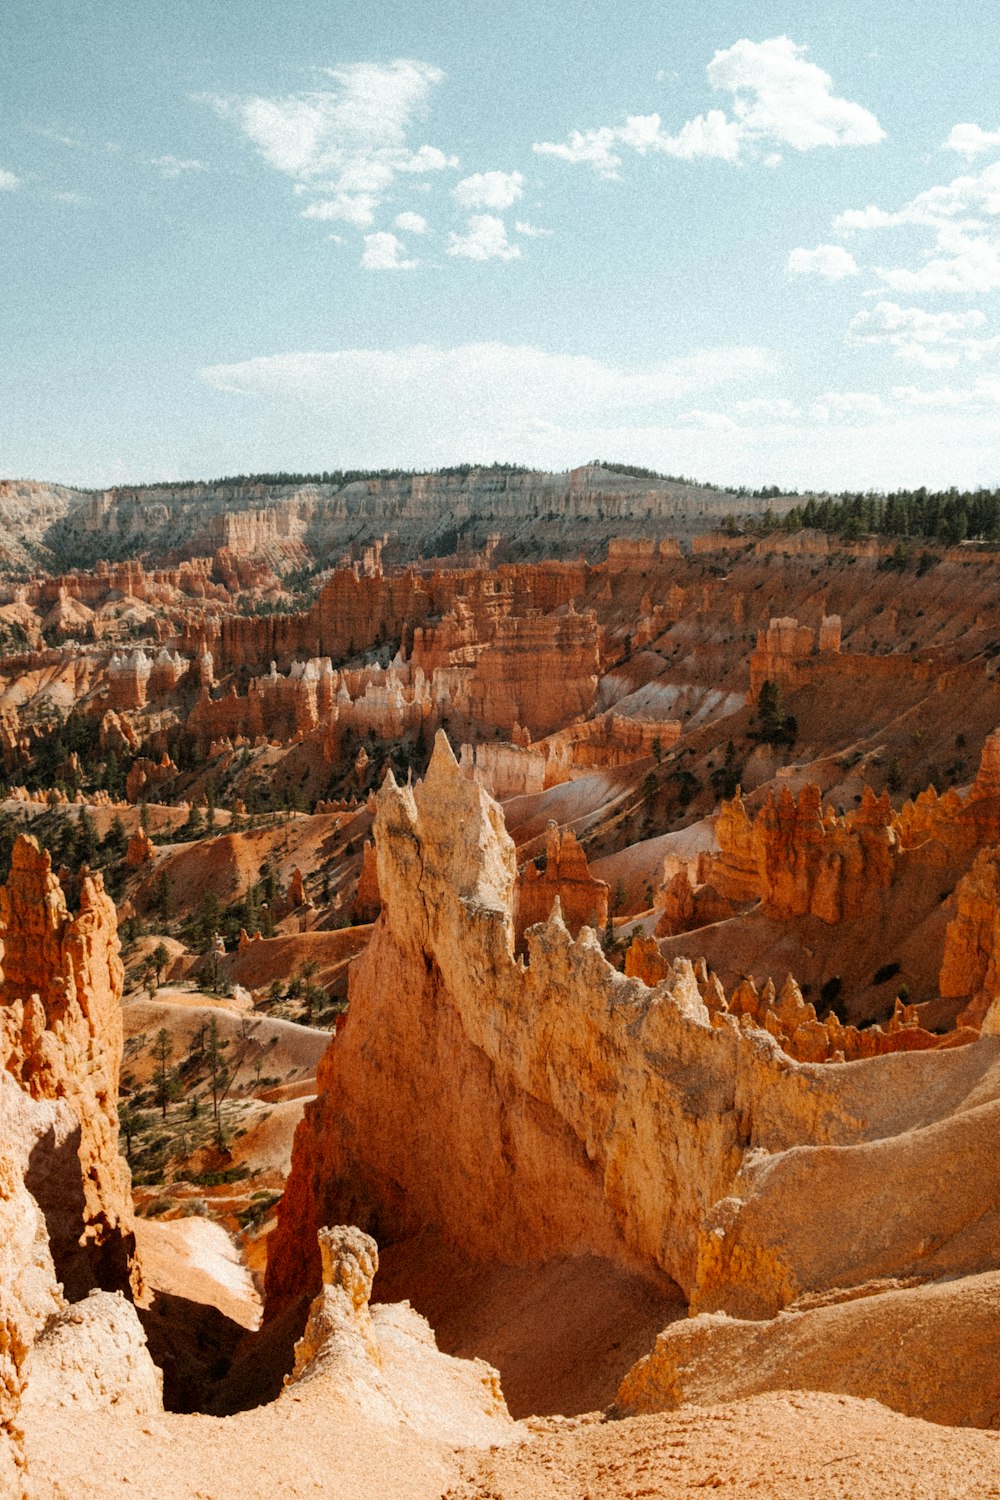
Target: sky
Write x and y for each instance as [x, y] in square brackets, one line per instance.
[749, 244]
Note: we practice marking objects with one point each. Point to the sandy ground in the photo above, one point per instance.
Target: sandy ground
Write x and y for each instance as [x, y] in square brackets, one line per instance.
[562, 1333]
[783, 1446]
[196, 1259]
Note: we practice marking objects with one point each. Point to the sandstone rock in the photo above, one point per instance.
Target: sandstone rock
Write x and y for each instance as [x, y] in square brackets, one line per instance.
[65, 1207]
[141, 849]
[928, 1351]
[554, 1106]
[384, 1361]
[61, 1038]
[784, 643]
[583, 900]
[799, 860]
[987, 783]
[610, 739]
[146, 777]
[339, 1328]
[971, 963]
[367, 901]
[504, 770]
[29, 1291]
[92, 1356]
[117, 734]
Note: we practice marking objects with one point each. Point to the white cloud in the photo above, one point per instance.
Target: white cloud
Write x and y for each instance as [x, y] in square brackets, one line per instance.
[449, 393]
[971, 140]
[983, 395]
[385, 252]
[344, 144]
[864, 218]
[711, 421]
[426, 159]
[497, 190]
[531, 231]
[970, 263]
[937, 341]
[175, 166]
[779, 96]
[832, 262]
[768, 409]
[592, 148]
[959, 213]
[848, 406]
[778, 99]
[352, 208]
[428, 406]
[8, 181]
[485, 239]
[411, 223]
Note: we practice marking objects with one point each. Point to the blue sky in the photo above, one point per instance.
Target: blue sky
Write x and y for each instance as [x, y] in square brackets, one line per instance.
[748, 244]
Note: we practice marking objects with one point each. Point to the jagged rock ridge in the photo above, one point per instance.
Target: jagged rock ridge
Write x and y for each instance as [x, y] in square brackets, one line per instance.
[555, 1106]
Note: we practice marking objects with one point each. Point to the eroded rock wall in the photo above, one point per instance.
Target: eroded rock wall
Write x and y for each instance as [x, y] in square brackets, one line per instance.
[61, 1040]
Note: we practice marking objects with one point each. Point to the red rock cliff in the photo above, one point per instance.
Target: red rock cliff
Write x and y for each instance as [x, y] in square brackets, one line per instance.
[61, 1039]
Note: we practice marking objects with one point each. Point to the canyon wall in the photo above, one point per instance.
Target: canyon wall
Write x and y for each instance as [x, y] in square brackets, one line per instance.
[428, 514]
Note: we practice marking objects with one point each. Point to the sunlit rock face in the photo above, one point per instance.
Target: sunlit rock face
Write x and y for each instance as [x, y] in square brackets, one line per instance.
[551, 1105]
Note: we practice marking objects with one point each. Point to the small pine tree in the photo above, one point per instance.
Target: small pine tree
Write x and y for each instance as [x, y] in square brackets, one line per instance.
[163, 1048]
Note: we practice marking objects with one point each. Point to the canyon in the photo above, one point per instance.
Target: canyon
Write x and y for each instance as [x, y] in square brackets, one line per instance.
[500, 994]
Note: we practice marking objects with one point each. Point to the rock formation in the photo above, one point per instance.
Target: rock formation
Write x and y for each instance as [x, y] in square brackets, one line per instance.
[140, 849]
[61, 1039]
[367, 900]
[785, 644]
[583, 901]
[65, 1206]
[925, 1350]
[551, 1105]
[970, 968]
[384, 1360]
[339, 1328]
[799, 860]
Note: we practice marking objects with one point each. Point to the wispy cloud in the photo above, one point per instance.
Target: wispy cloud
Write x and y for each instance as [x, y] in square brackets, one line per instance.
[344, 144]
[176, 166]
[935, 340]
[779, 98]
[60, 137]
[422, 405]
[8, 181]
[849, 406]
[485, 239]
[832, 262]
[447, 391]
